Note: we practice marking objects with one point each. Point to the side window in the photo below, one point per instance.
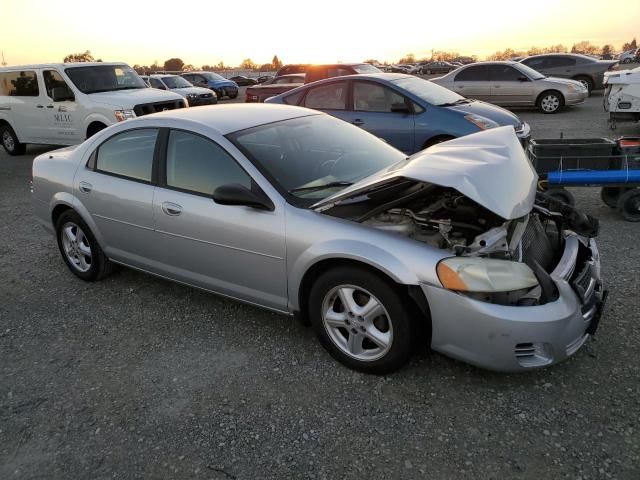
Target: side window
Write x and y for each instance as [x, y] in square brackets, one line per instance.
[478, 73]
[372, 97]
[199, 165]
[129, 154]
[53, 79]
[327, 97]
[294, 98]
[536, 63]
[504, 73]
[562, 61]
[338, 72]
[19, 84]
[155, 83]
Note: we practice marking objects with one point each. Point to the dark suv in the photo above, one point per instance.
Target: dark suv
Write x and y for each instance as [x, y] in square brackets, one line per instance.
[587, 70]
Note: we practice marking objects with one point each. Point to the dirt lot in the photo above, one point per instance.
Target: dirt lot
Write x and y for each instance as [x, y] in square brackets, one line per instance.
[135, 377]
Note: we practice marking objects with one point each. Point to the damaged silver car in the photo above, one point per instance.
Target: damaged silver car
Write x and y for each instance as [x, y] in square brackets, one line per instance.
[304, 214]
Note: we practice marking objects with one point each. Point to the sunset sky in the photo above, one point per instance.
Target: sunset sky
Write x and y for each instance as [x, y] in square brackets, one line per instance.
[33, 31]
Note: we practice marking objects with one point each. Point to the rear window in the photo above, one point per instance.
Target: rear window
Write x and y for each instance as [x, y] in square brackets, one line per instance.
[366, 68]
[19, 84]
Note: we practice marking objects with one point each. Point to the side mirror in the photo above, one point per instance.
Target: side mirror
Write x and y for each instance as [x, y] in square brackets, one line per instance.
[236, 194]
[60, 94]
[400, 108]
[523, 79]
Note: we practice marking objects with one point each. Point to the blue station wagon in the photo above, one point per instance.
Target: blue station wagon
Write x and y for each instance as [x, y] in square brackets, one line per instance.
[406, 111]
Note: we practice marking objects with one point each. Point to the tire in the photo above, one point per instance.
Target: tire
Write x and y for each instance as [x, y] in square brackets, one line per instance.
[610, 195]
[77, 245]
[561, 194]
[550, 102]
[10, 141]
[586, 81]
[626, 60]
[629, 205]
[233, 96]
[347, 336]
[95, 128]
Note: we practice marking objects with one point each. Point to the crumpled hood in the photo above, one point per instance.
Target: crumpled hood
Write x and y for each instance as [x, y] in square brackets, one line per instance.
[489, 167]
[125, 99]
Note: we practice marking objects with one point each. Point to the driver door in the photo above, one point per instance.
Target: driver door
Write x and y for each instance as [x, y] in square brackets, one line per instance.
[233, 250]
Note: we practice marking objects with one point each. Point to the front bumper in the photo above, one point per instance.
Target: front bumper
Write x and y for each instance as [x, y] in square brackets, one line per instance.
[577, 98]
[509, 338]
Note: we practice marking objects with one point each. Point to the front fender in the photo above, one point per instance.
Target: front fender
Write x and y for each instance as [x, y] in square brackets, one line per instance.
[366, 253]
[97, 117]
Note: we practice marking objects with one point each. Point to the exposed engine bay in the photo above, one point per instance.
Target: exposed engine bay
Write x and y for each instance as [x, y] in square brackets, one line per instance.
[445, 219]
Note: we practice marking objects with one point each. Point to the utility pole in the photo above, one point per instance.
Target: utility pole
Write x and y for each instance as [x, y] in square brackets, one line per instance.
[3, 62]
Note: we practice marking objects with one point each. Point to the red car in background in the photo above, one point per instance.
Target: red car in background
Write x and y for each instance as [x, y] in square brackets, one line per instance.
[273, 87]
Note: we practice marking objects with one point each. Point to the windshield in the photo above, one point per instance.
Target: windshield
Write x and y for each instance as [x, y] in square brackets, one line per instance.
[366, 68]
[176, 82]
[213, 76]
[529, 72]
[309, 158]
[429, 91]
[104, 78]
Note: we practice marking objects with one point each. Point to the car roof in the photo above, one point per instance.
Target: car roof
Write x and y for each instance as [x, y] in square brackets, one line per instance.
[161, 75]
[231, 117]
[63, 65]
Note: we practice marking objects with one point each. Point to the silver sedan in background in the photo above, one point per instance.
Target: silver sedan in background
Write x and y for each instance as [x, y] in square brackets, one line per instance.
[512, 84]
[296, 211]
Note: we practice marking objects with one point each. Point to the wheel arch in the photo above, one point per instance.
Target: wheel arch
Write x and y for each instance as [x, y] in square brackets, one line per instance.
[5, 122]
[62, 202]
[439, 138]
[550, 90]
[412, 291]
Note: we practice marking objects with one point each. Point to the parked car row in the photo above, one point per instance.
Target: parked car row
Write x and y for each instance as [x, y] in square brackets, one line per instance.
[196, 96]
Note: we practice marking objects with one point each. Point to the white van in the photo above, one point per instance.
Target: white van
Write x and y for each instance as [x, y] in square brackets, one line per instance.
[65, 103]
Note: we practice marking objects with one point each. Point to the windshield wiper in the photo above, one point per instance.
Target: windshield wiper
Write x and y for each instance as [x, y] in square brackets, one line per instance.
[313, 188]
[457, 102]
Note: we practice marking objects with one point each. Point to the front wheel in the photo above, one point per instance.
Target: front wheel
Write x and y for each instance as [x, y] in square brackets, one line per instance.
[629, 205]
[79, 248]
[10, 141]
[550, 102]
[362, 320]
[610, 195]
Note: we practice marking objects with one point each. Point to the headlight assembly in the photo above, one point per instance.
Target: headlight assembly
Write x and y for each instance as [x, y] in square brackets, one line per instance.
[122, 115]
[482, 123]
[473, 274]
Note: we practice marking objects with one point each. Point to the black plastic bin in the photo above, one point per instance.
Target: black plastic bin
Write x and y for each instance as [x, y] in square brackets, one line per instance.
[549, 155]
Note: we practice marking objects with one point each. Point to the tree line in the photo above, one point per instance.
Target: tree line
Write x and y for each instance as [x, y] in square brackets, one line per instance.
[178, 65]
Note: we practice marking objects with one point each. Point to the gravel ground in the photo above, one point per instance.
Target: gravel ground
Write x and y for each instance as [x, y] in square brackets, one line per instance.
[135, 377]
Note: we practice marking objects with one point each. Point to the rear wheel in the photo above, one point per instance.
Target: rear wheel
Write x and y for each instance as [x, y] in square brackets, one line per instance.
[561, 194]
[629, 205]
[550, 102]
[10, 141]
[79, 248]
[586, 81]
[362, 320]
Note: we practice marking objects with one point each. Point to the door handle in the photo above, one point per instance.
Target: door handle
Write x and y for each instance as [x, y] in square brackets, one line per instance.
[358, 122]
[49, 106]
[85, 187]
[39, 106]
[496, 86]
[172, 209]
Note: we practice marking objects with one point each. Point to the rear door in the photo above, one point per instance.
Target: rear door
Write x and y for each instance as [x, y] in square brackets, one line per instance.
[509, 86]
[473, 82]
[25, 105]
[116, 188]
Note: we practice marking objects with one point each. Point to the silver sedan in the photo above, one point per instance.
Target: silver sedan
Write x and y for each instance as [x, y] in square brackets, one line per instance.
[301, 213]
[512, 84]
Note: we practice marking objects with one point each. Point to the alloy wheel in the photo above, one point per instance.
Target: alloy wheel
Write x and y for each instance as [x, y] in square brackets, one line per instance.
[7, 141]
[550, 103]
[76, 247]
[357, 322]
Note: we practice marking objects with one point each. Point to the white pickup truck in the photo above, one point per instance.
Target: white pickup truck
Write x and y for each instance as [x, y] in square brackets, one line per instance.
[65, 103]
